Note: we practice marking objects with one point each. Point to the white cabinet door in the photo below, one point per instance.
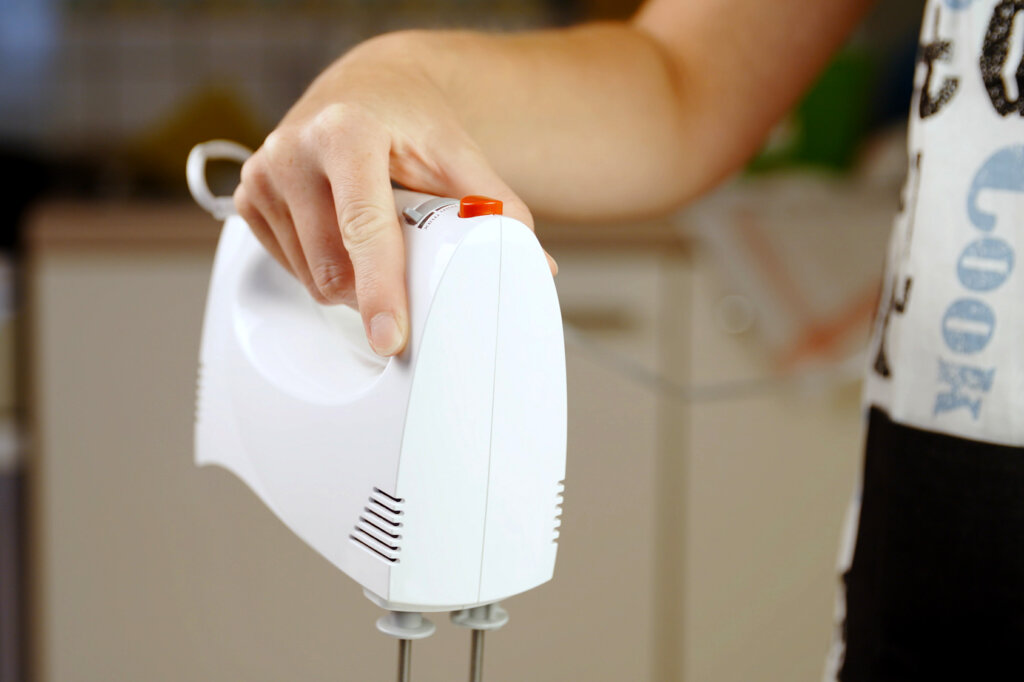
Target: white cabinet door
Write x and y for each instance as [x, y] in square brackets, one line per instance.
[769, 474]
[148, 568]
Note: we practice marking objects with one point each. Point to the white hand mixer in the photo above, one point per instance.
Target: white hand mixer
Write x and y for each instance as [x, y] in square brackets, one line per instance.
[434, 478]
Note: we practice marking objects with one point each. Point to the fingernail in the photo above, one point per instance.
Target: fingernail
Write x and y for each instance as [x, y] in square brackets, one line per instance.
[385, 336]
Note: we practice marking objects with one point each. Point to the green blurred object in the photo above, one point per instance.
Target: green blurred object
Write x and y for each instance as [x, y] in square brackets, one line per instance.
[826, 128]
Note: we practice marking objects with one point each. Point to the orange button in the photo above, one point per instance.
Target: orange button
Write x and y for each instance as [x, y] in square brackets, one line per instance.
[473, 206]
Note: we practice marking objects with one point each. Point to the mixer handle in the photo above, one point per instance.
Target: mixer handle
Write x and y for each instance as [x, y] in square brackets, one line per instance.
[195, 173]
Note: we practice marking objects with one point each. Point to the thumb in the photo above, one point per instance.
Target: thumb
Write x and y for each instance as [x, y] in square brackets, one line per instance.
[469, 172]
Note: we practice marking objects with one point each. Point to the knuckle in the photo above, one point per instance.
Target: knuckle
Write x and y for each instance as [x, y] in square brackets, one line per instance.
[361, 223]
[273, 142]
[254, 175]
[279, 148]
[329, 119]
[328, 124]
[341, 123]
[332, 281]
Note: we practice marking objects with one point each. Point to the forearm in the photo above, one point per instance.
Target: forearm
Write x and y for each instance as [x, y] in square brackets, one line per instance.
[614, 120]
[581, 123]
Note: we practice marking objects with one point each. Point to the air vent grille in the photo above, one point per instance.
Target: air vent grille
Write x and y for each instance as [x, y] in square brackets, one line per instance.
[200, 392]
[559, 499]
[378, 528]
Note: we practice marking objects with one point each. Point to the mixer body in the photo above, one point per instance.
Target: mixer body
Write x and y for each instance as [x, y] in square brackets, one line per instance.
[433, 478]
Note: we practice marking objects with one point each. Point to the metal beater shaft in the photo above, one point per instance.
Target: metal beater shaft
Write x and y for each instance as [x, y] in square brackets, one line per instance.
[476, 656]
[404, 660]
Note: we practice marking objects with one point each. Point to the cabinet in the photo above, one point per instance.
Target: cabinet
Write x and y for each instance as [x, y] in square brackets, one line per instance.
[697, 539]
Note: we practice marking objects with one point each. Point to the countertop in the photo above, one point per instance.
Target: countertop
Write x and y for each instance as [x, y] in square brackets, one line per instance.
[63, 224]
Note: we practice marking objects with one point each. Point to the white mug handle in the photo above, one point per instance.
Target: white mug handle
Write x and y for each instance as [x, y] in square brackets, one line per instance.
[195, 173]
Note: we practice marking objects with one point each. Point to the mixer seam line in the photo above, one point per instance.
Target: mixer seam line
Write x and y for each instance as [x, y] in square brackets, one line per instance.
[408, 397]
[490, 439]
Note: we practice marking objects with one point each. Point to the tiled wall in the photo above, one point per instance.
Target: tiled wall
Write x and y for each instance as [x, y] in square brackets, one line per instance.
[112, 68]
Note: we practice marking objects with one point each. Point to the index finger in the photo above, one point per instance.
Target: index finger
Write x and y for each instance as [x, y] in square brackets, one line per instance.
[358, 173]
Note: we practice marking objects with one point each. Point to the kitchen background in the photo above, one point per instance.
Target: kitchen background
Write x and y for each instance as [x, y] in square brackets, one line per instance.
[702, 381]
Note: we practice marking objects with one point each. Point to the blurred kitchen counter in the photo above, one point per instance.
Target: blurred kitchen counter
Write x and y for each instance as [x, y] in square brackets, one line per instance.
[697, 541]
[64, 224]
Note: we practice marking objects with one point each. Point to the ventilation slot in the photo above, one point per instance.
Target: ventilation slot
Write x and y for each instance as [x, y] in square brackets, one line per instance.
[378, 528]
[200, 392]
[559, 490]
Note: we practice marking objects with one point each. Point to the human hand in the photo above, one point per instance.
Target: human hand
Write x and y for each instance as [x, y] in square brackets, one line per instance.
[317, 193]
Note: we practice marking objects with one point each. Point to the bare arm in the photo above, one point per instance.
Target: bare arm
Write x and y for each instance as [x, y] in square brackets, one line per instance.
[601, 121]
[612, 120]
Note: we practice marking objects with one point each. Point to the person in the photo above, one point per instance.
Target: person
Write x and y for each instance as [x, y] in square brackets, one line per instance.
[623, 120]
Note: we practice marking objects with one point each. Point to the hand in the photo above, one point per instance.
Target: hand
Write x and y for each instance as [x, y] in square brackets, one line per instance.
[318, 195]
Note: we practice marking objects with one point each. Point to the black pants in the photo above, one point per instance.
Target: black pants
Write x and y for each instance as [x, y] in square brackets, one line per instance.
[936, 586]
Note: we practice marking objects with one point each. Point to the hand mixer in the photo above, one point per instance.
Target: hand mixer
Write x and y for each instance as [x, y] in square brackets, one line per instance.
[434, 478]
